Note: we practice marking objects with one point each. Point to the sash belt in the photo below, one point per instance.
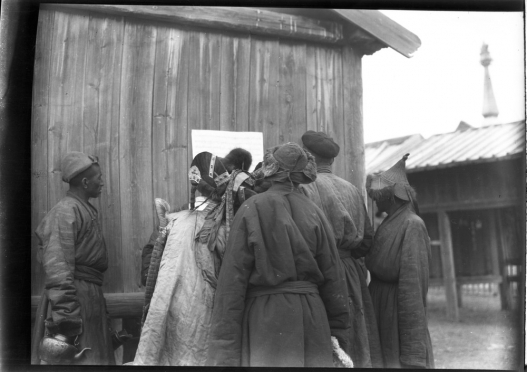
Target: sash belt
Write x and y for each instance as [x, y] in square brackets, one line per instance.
[88, 274]
[298, 287]
[376, 279]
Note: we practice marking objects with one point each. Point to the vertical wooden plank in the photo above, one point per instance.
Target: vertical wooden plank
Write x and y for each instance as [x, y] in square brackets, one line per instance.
[353, 130]
[204, 73]
[60, 106]
[447, 257]
[135, 150]
[108, 146]
[194, 95]
[79, 40]
[311, 88]
[263, 102]
[178, 129]
[292, 92]
[234, 96]
[336, 129]
[228, 87]
[101, 137]
[169, 132]
[160, 119]
[325, 90]
[212, 61]
[242, 61]
[39, 138]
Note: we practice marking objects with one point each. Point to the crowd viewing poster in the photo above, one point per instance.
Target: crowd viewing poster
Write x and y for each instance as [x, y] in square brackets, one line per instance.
[220, 142]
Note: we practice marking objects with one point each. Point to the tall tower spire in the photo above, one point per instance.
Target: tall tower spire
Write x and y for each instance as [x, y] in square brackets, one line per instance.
[490, 108]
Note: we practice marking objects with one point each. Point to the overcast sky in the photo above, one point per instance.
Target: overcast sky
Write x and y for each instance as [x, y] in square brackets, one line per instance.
[442, 83]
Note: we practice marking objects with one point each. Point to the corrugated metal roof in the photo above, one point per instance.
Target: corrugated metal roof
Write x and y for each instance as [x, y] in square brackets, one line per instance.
[469, 145]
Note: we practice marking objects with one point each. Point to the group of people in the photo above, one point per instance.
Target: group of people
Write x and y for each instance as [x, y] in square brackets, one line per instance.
[268, 268]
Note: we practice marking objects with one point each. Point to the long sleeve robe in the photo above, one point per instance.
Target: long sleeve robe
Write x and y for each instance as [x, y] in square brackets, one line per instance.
[73, 253]
[176, 329]
[278, 237]
[344, 207]
[399, 264]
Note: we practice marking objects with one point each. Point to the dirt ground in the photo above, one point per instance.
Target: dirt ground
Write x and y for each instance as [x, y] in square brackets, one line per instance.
[484, 338]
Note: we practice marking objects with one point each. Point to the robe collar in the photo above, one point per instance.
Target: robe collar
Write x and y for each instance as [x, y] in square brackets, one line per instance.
[324, 168]
[283, 188]
[86, 205]
[397, 212]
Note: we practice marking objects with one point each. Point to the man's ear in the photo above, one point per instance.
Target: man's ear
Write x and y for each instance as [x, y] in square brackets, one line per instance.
[84, 183]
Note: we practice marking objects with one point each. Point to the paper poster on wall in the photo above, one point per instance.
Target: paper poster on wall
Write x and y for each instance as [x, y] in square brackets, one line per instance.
[220, 142]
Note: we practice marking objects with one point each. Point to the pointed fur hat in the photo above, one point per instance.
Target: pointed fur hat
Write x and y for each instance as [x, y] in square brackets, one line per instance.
[384, 185]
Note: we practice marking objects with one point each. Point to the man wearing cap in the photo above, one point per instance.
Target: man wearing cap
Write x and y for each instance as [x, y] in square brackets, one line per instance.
[281, 293]
[73, 253]
[345, 209]
[398, 263]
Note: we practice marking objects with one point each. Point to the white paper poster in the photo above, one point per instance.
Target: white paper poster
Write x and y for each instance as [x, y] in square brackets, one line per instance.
[220, 142]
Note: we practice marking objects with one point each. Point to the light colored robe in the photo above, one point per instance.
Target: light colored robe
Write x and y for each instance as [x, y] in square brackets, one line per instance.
[176, 329]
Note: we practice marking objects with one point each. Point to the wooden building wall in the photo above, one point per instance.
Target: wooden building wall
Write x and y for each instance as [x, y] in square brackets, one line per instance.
[474, 186]
[474, 217]
[130, 91]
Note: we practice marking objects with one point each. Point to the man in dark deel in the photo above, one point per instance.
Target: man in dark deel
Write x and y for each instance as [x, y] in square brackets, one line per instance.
[73, 254]
[281, 292]
[345, 210]
[398, 263]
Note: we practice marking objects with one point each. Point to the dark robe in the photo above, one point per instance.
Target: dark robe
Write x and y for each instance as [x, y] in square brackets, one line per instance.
[344, 207]
[73, 253]
[281, 291]
[398, 263]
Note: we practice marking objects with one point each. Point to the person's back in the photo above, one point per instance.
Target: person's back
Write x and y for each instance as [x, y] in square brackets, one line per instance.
[345, 210]
[281, 292]
[183, 281]
[176, 329]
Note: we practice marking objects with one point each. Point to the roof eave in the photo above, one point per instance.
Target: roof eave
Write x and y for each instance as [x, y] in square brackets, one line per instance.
[461, 163]
[383, 28]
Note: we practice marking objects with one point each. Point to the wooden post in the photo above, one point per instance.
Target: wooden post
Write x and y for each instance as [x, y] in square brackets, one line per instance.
[117, 325]
[449, 273]
[459, 289]
[494, 253]
[505, 294]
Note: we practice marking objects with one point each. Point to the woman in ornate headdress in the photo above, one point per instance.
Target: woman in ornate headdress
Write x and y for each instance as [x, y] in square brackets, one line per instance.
[399, 265]
[176, 325]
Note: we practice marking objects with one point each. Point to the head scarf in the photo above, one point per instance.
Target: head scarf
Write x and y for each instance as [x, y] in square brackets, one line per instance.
[392, 182]
[288, 162]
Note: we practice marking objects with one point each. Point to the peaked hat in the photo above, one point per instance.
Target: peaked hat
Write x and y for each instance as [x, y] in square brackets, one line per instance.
[390, 182]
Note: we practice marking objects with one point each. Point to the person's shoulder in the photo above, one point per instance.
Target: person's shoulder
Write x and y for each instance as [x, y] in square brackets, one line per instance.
[344, 183]
[66, 204]
[414, 220]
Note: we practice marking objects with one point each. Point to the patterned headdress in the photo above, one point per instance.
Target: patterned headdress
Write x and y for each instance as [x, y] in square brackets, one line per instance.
[211, 173]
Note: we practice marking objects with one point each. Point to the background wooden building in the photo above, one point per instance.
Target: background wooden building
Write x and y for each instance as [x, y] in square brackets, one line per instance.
[470, 188]
[129, 83]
